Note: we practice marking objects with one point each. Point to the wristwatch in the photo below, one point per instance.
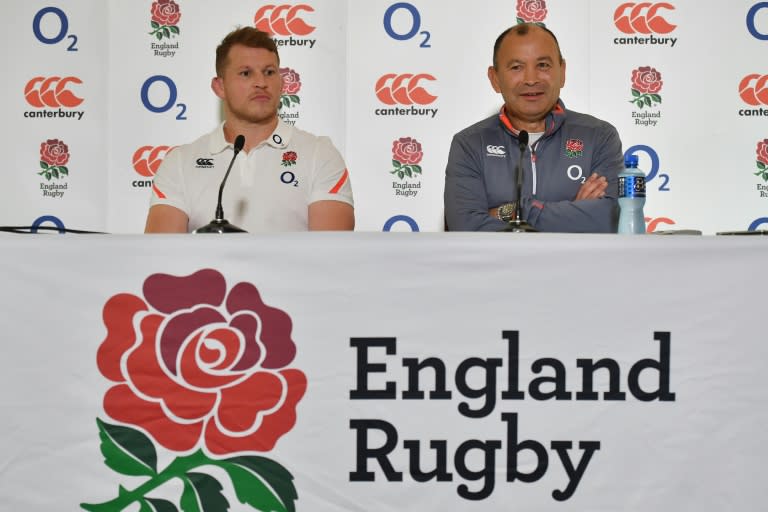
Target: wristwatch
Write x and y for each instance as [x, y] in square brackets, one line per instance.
[507, 212]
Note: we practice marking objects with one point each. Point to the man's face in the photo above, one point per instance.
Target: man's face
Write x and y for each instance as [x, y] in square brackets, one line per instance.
[529, 75]
[251, 84]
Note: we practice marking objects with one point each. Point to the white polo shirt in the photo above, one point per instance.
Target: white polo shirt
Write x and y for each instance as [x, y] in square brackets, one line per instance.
[269, 189]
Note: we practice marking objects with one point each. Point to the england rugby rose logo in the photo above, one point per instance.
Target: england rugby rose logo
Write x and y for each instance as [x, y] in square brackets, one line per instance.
[165, 19]
[646, 84]
[574, 148]
[531, 11]
[406, 155]
[762, 159]
[291, 88]
[54, 155]
[201, 371]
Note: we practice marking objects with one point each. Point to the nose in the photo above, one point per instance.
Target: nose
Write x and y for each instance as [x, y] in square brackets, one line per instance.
[530, 76]
[259, 80]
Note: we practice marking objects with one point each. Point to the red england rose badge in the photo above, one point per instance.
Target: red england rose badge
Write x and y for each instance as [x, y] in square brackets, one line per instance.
[200, 371]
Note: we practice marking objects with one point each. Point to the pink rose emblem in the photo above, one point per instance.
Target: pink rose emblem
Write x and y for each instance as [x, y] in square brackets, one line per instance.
[196, 365]
[54, 152]
[291, 81]
[531, 11]
[407, 150]
[166, 12]
[646, 79]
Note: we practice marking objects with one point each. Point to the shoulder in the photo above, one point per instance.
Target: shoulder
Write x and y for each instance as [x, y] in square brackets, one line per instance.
[306, 141]
[479, 129]
[587, 122]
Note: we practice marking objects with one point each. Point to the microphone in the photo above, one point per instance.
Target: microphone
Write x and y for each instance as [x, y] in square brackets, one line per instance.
[518, 225]
[219, 224]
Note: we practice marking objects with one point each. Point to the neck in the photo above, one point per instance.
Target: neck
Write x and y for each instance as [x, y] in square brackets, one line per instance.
[255, 133]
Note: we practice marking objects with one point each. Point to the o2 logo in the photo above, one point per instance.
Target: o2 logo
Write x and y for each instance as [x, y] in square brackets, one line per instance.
[752, 15]
[655, 165]
[173, 95]
[576, 173]
[48, 218]
[415, 23]
[289, 178]
[398, 219]
[63, 27]
[758, 222]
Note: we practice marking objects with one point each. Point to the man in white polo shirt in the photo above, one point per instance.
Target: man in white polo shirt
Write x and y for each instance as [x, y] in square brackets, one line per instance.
[285, 179]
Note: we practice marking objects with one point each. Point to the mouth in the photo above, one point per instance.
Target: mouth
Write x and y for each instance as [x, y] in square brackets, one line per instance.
[531, 95]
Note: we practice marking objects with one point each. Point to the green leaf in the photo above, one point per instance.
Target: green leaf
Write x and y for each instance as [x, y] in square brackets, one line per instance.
[43, 165]
[400, 174]
[296, 99]
[166, 32]
[174, 29]
[202, 493]
[48, 176]
[635, 93]
[640, 103]
[286, 101]
[408, 172]
[656, 98]
[55, 172]
[159, 35]
[396, 164]
[127, 451]
[157, 505]
[261, 483]
[64, 170]
[416, 169]
[155, 25]
[648, 101]
[761, 165]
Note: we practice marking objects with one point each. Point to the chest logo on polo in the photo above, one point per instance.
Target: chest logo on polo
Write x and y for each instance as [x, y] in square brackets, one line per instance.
[574, 148]
[496, 151]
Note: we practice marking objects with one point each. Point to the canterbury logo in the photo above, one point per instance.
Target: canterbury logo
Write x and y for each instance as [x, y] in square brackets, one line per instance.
[643, 18]
[52, 92]
[753, 89]
[205, 162]
[147, 159]
[394, 89]
[283, 20]
[496, 150]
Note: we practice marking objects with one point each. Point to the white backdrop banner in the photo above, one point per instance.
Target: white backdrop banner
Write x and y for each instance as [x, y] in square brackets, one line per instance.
[98, 91]
[434, 372]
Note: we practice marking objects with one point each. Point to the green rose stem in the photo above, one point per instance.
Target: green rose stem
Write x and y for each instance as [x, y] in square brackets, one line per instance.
[176, 469]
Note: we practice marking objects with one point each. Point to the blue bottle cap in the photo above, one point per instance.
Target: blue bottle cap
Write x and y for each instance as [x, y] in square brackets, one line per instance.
[631, 161]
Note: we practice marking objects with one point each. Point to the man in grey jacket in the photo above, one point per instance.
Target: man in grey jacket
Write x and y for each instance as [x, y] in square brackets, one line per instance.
[570, 166]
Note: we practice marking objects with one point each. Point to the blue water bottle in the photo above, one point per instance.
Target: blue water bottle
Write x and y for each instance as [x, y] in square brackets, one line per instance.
[631, 197]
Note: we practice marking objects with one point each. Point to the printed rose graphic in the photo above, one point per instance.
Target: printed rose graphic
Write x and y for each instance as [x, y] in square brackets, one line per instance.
[291, 87]
[289, 158]
[531, 11]
[165, 18]
[646, 83]
[54, 155]
[762, 159]
[202, 371]
[406, 154]
[574, 148]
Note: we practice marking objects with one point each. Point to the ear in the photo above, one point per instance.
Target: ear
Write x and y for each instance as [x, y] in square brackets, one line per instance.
[218, 87]
[562, 82]
[494, 79]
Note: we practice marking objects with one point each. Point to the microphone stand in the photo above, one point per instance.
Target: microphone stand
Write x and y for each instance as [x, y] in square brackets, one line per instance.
[518, 225]
[219, 224]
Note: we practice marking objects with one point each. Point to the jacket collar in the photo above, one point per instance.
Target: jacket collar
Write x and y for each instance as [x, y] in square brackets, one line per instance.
[552, 122]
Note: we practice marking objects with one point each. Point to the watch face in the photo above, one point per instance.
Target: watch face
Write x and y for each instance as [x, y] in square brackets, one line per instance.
[507, 212]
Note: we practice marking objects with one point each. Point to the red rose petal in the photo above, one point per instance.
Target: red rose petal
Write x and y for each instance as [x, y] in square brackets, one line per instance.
[191, 372]
[149, 378]
[121, 404]
[240, 405]
[272, 427]
[277, 325]
[118, 316]
[168, 294]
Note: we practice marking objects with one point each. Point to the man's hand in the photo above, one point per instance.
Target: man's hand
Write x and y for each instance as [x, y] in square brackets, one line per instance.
[593, 188]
